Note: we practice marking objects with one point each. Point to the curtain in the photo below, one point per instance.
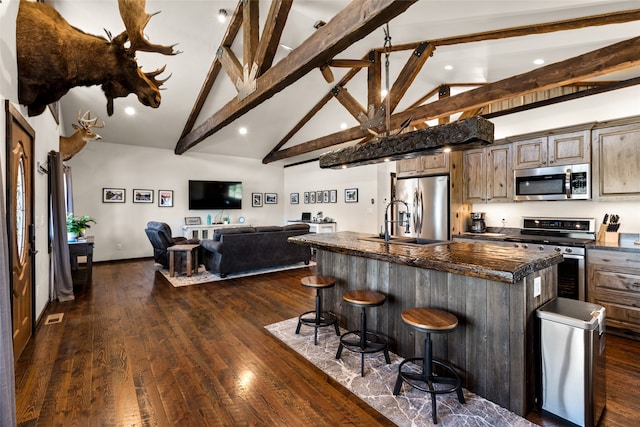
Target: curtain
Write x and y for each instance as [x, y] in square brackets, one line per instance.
[68, 188]
[63, 283]
[7, 380]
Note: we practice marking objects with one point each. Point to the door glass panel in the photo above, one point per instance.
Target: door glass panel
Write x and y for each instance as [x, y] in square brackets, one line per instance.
[21, 223]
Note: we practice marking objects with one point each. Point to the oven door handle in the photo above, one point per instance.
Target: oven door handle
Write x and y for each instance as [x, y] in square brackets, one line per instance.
[573, 256]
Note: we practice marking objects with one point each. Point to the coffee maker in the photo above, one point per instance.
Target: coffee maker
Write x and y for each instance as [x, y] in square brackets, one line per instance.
[477, 222]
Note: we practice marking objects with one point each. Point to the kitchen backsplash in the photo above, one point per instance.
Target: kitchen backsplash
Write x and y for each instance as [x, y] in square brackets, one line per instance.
[513, 212]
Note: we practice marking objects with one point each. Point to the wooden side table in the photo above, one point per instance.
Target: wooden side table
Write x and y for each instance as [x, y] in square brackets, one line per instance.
[81, 248]
[192, 260]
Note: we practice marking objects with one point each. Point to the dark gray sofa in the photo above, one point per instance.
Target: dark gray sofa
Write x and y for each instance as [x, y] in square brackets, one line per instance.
[238, 249]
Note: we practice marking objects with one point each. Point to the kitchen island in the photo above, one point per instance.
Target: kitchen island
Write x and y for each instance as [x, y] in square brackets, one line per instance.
[489, 288]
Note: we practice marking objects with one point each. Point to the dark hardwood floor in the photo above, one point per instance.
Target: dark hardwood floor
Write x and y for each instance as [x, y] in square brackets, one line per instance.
[133, 350]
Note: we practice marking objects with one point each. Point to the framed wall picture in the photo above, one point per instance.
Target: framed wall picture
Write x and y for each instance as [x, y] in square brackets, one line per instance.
[333, 196]
[113, 195]
[306, 197]
[256, 200]
[270, 198]
[351, 195]
[142, 196]
[294, 198]
[192, 220]
[165, 198]
[318, 196]
[312, 197]
[325, 196]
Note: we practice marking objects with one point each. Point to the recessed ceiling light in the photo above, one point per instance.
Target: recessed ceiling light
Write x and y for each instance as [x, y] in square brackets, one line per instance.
[538, 61]
[448, 67]
[383, 92]
[343, 125]
[222, 15]
[130, 111]
[242, 131]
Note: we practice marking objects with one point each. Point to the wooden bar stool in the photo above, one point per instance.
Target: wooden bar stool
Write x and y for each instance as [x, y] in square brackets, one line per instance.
[430, 320]
[363, 341]
[320, 318]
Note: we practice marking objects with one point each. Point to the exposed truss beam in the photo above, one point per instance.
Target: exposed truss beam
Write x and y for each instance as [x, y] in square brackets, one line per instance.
[274, 25]
[229, 36]
[351, 24]
[603, 61]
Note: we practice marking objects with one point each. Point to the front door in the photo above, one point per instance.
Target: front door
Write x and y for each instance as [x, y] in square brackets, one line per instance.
[20, 141]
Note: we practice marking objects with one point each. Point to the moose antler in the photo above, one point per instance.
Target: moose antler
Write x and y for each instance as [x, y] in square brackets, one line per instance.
[135, 18]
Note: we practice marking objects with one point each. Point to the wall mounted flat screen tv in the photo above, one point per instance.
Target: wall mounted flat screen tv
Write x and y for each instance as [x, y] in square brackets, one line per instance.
[215, 195]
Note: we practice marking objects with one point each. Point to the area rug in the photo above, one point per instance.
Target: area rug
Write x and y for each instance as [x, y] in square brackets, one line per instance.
[411, 407]
[204, 276]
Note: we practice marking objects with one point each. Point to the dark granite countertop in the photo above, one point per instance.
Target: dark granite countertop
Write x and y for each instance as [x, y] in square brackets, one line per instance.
[502, 264]
[626, 243]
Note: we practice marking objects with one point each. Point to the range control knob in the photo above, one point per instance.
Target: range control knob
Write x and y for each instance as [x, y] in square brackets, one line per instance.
[541, 247]
[525, 245]
[568, 250]
[557, 249]
[516, 245]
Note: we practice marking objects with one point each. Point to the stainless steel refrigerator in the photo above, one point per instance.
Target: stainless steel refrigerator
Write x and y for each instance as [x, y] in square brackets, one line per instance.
[428, 201]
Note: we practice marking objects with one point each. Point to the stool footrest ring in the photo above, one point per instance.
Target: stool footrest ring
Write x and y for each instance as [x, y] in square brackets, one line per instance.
[417, 379]
[351, 341]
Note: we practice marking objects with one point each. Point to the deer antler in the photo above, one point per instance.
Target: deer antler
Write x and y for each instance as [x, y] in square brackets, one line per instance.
[135, 18]
[87, 122]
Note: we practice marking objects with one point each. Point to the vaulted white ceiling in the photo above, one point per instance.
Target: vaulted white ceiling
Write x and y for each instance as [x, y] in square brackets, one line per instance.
[194, 25]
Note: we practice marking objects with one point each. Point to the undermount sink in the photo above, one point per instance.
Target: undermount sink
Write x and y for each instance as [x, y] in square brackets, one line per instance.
[404, 240]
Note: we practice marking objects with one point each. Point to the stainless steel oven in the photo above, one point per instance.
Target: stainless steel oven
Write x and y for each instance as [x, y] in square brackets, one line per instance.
[567, 236]
[553, 183]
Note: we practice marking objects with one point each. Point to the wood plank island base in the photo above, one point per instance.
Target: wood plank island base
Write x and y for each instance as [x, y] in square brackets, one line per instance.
[489, 288]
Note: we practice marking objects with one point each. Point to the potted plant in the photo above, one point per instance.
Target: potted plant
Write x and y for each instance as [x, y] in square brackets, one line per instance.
[77, 225]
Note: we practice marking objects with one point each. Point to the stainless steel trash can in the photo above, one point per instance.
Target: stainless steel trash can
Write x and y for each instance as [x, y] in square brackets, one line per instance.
[573, 360]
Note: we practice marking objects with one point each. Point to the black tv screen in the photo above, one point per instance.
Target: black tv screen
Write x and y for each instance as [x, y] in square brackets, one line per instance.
[215, 195]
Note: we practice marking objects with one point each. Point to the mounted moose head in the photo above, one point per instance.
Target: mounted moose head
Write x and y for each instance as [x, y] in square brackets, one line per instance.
[54, 56]
[71, 145]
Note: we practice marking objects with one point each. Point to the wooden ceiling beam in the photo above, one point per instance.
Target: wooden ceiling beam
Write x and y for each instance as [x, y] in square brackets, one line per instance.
[250, 31]
[408, 73]
[619, 56]
[351, 24]
[620, 17]
[231, 65]
[325, 99]
[350, 103]
[227, 40]
[374, 81]
[270, 39]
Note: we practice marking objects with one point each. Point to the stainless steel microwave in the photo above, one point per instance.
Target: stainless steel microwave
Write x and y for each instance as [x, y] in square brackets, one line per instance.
[572, 182]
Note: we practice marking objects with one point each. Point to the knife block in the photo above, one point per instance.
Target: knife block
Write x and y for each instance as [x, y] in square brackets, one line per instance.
[607, 236]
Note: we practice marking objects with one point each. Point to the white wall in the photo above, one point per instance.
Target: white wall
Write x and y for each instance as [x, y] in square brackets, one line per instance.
[119, 232]
[513, 212]
[46, 132]
[365, 216]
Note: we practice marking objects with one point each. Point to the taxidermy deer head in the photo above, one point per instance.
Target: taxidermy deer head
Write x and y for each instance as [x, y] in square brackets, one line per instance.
[53, 57]
[71, 145]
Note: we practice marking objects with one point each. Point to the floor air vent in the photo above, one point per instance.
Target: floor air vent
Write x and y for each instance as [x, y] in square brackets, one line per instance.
[54, 318]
